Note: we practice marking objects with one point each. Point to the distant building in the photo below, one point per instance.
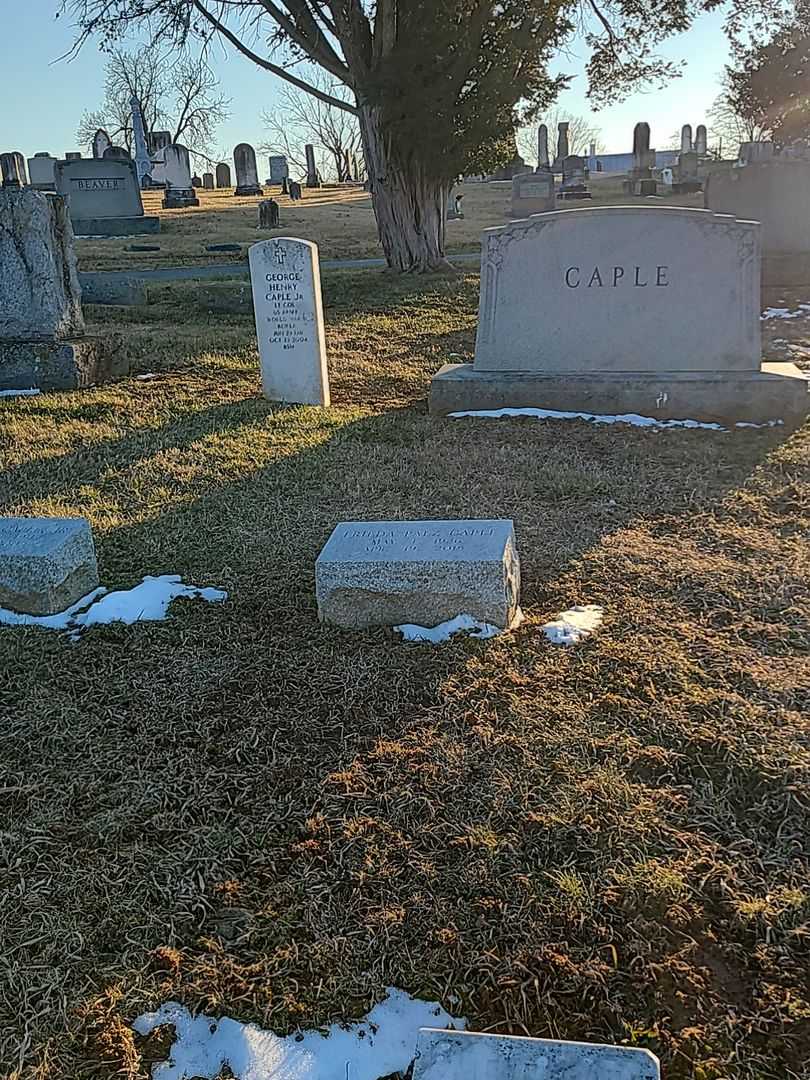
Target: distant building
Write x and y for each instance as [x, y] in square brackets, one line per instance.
[623, 163]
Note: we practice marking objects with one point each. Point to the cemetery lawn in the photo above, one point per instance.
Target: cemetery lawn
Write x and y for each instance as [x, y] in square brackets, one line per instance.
[260, 816]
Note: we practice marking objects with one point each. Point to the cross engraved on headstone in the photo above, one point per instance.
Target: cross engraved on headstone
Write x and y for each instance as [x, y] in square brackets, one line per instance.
[281, 255]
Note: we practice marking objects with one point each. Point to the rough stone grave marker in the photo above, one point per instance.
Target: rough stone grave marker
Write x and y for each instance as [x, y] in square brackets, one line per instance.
[286, 282]
[466, 1055]
[645, 309]
[42, 336]
[247, 176]
[385, 573]
[46, 564]
[313, 180]
[208, 181]
[223, 175]
[104, 198]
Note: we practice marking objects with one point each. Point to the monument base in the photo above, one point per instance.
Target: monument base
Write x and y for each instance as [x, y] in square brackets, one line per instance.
[127, 226]
[60, 365]
[779, 391]
[249, 189]
[179, 198]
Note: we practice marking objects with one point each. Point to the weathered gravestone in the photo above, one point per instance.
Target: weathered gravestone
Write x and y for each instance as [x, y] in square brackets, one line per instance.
[286, 281]
[641, 180]
[117, 153]
[701, 140]
[46, 564]
[385, 573]
[268, 214]
[574, 177]
[542, 148]
[101, 142]
[651, 310]
[294, 189]
[279, 169]
[686, 139]
[143, 163]
[104, 198]
[208, 181]
[12, 166]
[42, 336]
[313, 179]
[223, 175]
[247, 176]
[466, 1055]
[532, 193]
[176, 174]
[73, 155]
[196, 181]
[158, 140]
[562, 145]
[41, 172]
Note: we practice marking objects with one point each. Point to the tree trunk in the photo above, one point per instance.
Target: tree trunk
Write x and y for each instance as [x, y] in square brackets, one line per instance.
[409, 205]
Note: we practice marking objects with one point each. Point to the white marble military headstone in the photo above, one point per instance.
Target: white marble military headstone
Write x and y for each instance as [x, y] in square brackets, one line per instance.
[386, 573]
[286, 281]
[466, 1055]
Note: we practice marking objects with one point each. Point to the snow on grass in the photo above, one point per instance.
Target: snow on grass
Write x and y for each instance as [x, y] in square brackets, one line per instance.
[785, 313]
[573, 625]
[602, 418]
[435, 635]
[381, 1044]
[20, 393]
[146, 602]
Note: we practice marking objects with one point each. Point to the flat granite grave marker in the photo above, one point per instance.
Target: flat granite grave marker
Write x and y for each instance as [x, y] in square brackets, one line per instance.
[625, 309]
[104, 197]
[467, 1055]
[385, 573]
[286, 282]
[46, 564]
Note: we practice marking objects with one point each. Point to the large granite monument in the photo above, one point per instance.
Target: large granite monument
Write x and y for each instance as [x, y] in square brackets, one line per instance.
[386, 573]
[103, 197]
[651, 310]
[42, 336]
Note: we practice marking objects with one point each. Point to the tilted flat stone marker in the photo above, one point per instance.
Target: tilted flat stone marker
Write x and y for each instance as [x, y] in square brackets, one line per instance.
[46, 564]
[385, 573]
[464, 1055]
[619, 309]
[286, 282]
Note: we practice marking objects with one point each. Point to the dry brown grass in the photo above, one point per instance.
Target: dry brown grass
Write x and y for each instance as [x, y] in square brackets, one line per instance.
[339, 219]
[259, 815]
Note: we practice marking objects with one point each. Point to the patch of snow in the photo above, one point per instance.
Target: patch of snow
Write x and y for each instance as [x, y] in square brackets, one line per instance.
[20, 393]
[146, 377]
[597, 418]
[383, 1043]
[785, 313]
[147, 602]
[573, 625]
[435, 635]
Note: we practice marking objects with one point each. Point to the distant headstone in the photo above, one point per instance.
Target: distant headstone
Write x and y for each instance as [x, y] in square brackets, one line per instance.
[104, 197]
[101, 141]
[116, 153]
[196, 181]
[143, 163]
[776, 193]
[12, 166]
[641, 180]
[208, 181]
[754, 152]
[268, 214]
[247, 176]
[42, 336]
[687, 178]
[574, 178]
[701, 140]
[542, 148]
[73, 155]
[355, 168]
[294, 190]
[41, 172]
[686, 139]
[286, 281]
[279, 169]
[313, 180]
[454, 205]
[223, 175]
[386, 573]
[157, 140]
[46, 564]
[179, 191]
[562, 144]
[670, 294]
[532, 193]
[468, 1055]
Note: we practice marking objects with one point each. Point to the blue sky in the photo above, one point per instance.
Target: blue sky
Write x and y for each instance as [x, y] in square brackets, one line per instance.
[50, 96]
